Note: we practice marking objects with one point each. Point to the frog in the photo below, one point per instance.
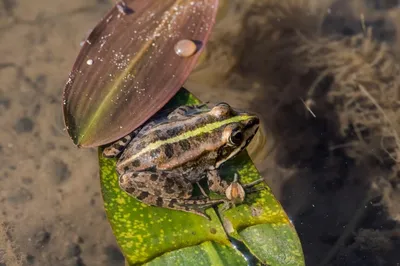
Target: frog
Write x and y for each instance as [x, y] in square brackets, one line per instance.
[162, 161]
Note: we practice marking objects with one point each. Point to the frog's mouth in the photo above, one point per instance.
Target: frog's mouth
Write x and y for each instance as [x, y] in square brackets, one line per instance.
[251, 129]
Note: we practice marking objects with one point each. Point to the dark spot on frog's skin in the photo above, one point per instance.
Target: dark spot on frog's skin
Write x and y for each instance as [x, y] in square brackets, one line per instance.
[172, 203]
[140, 146]
[136, 163]
[140, 185]
[157, 192]
[153, 177]
[130, 190]
[185, 145]
[169, 151]
[213, 231]
[182, 194]
[172, 132]
[169, 184]
[126, 169]
[163, 175]
[125, 139]
[159, 202]
[143, 195]
[169, 190]
[118, 146]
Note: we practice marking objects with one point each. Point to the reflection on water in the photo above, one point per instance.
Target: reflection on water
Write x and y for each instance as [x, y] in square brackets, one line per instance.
[284, 59]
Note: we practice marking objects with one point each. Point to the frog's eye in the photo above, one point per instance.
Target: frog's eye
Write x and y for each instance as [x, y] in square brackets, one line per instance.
[236, 138]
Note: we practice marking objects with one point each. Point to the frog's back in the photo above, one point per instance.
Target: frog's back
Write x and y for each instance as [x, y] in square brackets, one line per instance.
[171, 143]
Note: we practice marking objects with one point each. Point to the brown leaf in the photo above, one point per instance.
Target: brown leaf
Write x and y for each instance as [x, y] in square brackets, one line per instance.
[127, 69]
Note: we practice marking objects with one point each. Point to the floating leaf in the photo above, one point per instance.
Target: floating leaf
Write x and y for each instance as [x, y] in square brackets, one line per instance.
[162, 236]
[128, 69]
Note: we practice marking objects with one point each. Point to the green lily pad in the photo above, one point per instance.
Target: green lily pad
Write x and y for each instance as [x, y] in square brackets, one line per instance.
[160, 236]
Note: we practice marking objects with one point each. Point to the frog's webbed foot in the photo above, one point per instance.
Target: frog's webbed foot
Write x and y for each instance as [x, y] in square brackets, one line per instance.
[234, 192]
[198, 206]
[250, 188]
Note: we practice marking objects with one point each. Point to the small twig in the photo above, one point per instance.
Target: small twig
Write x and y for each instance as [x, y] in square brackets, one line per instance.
[307, 105]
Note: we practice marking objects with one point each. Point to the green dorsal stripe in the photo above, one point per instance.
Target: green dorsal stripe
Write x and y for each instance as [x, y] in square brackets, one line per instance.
[188, 134]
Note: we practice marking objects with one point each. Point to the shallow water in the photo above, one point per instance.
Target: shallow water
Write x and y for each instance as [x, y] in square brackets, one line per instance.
[50, 193]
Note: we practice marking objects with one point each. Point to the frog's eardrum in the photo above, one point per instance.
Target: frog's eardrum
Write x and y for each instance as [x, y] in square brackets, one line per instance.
[127, 69]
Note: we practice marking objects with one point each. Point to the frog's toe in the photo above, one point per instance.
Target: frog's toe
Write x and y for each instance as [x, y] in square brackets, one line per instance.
[252, 184]
[202, 213]
[228, 205]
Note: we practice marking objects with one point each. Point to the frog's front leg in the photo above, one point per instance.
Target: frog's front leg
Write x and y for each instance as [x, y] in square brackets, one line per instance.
[215, 183]
[220, 186]
[164, 190]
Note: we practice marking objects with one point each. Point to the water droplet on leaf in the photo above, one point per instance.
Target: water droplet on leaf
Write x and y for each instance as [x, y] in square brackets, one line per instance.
[185, 48]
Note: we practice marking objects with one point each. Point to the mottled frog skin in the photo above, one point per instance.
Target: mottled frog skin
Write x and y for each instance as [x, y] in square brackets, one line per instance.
[160, 162]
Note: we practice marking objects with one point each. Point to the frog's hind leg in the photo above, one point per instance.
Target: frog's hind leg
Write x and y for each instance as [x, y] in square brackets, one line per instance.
[164, 191]
[117, 147]
[187, 205]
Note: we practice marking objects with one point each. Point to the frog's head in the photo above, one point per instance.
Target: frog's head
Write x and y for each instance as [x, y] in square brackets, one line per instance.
[236, 132]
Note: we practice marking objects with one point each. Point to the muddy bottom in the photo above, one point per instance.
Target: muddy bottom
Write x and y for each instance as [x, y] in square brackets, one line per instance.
[345, 210]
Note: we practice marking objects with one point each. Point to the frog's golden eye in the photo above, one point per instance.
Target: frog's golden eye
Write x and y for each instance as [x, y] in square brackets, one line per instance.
[236, 138]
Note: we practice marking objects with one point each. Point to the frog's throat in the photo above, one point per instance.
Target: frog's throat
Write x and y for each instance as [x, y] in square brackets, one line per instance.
[188, 134]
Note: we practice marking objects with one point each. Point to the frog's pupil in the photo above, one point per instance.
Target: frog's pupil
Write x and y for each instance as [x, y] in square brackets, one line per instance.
[237, 138]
